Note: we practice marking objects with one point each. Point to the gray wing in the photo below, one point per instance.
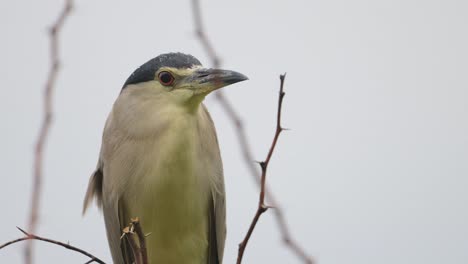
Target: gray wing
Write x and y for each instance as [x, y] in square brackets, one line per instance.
[217, 221]
[217, 227]
[114, 214]
[113, 209]
[124, 220]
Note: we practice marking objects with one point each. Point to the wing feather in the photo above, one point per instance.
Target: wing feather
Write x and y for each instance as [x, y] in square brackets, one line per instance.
[94, 190]
[218, 206]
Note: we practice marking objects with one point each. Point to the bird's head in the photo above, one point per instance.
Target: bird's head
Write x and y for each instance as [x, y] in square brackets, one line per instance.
[179, 78]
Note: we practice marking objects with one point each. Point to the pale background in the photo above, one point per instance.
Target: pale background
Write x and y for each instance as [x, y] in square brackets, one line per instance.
[374, 169]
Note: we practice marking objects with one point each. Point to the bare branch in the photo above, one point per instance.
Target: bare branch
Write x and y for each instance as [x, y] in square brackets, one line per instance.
[264, 166]
[136, 239]
[200, 31]
[127, 234]
[29, 236]
[45, 126]
[141, 240]
[243, 140]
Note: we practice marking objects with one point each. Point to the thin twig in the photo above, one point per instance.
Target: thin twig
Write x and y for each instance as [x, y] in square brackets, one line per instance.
[45, 126]
[264, 166]
[133, 245]
[133, 233]
[30, 236]
[141, 240]
[200, 31]
[243, 140]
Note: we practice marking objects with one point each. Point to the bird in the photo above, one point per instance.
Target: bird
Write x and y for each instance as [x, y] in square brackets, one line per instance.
[160, 161]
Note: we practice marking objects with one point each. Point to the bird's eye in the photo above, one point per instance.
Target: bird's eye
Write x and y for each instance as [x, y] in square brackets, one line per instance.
[165, 78]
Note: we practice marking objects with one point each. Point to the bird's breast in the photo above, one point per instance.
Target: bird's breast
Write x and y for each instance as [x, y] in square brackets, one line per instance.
[168, 188]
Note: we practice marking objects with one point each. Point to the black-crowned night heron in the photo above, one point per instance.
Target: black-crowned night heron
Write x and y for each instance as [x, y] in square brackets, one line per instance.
[160, 161]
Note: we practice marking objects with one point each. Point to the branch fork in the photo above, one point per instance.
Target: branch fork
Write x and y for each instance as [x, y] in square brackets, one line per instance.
[136, 238]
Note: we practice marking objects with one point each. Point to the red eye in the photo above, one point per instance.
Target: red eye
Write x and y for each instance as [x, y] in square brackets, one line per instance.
[165, 78]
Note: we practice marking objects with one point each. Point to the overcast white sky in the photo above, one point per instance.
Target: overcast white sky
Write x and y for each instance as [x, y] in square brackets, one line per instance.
[374, 169]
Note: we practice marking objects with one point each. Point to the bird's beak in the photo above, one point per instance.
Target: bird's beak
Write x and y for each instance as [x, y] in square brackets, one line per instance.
[204, 81]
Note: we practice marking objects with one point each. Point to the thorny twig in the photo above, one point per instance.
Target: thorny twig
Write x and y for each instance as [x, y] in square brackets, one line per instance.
[264, 166]
[30, 236]
[242, 137]
[139, 250]
[141, 240]
[45, 126]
